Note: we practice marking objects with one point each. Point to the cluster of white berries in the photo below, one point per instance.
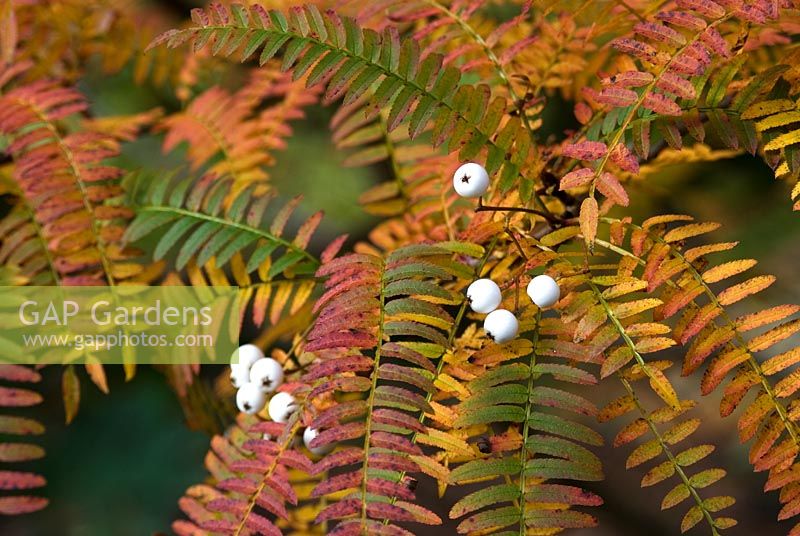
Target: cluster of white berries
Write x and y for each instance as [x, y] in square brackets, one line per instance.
[501, 325]
[255, 376]
[484, 296]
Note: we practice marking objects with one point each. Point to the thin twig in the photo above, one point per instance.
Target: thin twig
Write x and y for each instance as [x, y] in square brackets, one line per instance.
[551, 218]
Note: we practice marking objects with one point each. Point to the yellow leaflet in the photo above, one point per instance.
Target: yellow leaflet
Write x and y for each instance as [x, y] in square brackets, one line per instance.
[445, 382]
[445, 441]
[627, 309]
[688, 231]
[728, 269]
[665, 218]
[653, 344]
[662, 387]
[624, 288]
[778, 120]
[647, 328]
[765, 108]
[784, 140]
[559, 236]
[742, 290]
[588, 220]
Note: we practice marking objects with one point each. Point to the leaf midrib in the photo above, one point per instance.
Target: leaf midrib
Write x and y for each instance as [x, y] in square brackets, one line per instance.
[200, 216]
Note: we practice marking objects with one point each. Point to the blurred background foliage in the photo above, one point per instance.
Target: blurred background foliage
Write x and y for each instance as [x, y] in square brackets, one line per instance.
[119, 468]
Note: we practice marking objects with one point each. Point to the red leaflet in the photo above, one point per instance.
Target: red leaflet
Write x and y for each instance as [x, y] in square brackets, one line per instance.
[272, 503]
[409, 375]
[251, 466]
[393, 396]
[677, 85]
[19, 373]
[295, 460]
[226, 505]
[699, 321]
[583, 113]
[339, 509]
[393, 349]
[192, 508]
[660, 104]
[280, 484]
[332, 249]
[343, 410]
[679, 301]
[15, 480]
[609, 186]
[348, 306]
[641, 50]
[389, 511]
[719, 368]
[682, 19]
[699, 52]
[685, 63]
[347, 261]
[392, 462]
[559, 493]
[181, 527]
[629, 79]
[659, 32]
[329, 325]
[337, 434]
[398, 419]
[658, 253]
[342, 339]
[261, 525]
[585, 150]
[347, 384]
[219, 525]
[373, 528]
[387, 488]
[337, 483]
[617, 96]
[12, 397]
[575, 179]
[272, 428]
[340, 458]
[622, 157]
[751, 13]
[714, 40]
[337, 366]
[394, 442]
[710, 9]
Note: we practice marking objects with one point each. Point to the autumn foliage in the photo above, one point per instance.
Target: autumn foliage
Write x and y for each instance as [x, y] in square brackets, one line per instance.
[379, 345]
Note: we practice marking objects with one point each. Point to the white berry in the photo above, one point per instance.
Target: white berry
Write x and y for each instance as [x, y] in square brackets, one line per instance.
[308, 436]
[267, 373]
[246, 355]
[250, 398]
[281, 407]
[544, 290]
[484, 296]
[471, 180]
[501, 325]
[240, 375]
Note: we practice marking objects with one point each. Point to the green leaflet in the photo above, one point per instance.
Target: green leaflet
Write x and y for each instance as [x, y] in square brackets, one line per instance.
[489, 468]
[200, 233]
[483, 498]
[504, 374]
[491, 414]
